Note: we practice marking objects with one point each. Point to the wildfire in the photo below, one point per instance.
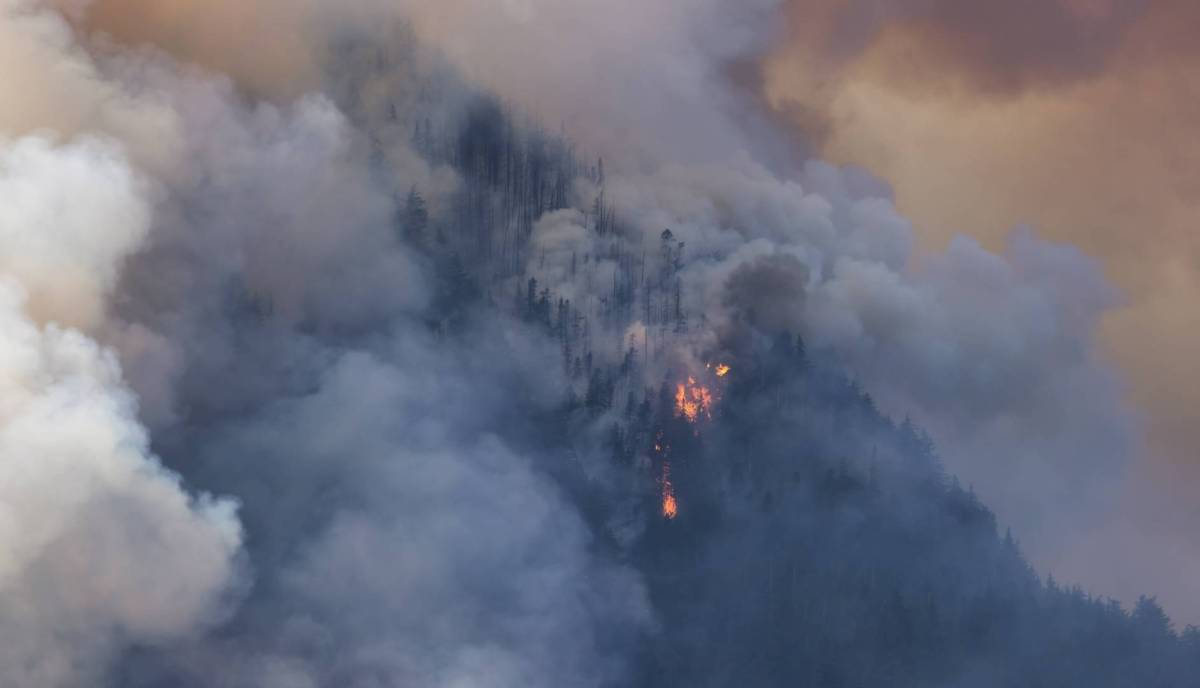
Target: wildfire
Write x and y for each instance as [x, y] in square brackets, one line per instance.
[670, 507]
[720, 369]
[693, 400]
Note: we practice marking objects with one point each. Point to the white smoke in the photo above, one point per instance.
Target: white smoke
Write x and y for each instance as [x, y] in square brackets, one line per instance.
[101, 546]
[71, 217]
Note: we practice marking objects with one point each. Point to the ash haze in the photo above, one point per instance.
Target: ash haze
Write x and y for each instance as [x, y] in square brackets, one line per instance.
[467, 343]
[1074, 117]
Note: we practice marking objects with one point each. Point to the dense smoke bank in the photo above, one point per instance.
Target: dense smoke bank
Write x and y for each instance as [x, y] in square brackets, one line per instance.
[507, 370]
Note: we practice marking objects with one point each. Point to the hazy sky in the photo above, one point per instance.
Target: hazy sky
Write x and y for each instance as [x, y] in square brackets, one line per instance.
[1076, 117]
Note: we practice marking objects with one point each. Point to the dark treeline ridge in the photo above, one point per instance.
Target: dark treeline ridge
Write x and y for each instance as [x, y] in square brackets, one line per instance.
[818, 542]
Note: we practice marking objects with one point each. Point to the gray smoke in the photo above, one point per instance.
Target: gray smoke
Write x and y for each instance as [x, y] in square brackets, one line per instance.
[387, 536]
[405, 525]
[993, 353]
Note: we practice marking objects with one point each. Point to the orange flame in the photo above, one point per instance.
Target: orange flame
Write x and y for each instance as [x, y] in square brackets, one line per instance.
[723, 370]
[670, 507]
[693, 400]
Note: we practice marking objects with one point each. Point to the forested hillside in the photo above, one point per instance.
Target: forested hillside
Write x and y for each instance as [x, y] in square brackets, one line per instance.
[789, 533]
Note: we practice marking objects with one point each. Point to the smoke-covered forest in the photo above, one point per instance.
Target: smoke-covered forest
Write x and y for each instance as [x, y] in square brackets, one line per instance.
[399, 385]
[788, 533]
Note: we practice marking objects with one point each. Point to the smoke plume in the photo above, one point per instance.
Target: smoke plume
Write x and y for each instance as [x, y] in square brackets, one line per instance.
[273, 244]
[86, 504]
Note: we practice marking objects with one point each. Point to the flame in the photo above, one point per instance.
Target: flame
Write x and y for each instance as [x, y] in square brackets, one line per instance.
[693, 400]
[720, 369]
[670, 507]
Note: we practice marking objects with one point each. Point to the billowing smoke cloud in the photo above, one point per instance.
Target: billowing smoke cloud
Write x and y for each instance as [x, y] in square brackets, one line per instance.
[72, 217]
[85, 503]
[438, 555]
[407, 519]
[451, 561]
[622, 77]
